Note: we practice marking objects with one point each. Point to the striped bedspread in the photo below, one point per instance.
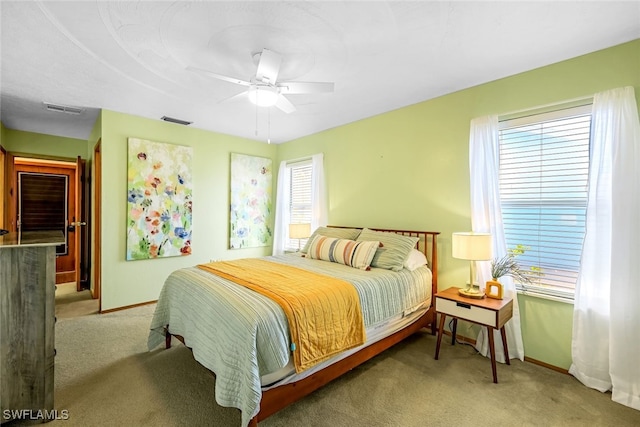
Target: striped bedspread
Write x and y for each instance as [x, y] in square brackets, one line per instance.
[241, 335]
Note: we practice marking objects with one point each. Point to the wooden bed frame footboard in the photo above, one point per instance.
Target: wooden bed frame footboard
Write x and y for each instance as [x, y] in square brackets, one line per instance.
[280, 397]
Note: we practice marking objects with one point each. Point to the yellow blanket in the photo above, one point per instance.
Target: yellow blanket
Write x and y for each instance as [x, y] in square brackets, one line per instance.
[323, 312]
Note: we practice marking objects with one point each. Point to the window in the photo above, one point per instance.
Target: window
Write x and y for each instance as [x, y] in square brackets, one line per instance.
[300, 209]
[544, 166]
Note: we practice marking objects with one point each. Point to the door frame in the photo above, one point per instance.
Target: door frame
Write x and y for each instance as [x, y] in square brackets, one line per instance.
[96, 220]
[66, 262]
[3, 180]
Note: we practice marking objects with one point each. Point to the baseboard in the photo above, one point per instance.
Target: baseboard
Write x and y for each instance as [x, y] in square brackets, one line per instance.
[546, 365]
[111, 310]
[461, 338]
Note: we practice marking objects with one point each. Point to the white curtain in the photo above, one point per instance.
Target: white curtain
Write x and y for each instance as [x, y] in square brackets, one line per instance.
[281, 226]
[319, 205]
[486, 216]
[606, 319]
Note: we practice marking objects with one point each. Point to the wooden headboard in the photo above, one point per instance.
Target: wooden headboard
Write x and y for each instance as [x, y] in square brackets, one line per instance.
[427, 244]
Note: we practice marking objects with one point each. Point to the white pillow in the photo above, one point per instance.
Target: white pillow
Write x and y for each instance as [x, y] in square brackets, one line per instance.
[415, 260]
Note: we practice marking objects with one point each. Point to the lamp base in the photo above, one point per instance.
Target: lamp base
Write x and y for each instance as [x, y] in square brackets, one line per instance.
[471, 293]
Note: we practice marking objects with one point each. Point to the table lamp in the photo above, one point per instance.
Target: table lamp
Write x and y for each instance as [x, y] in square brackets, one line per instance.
[299, 231]
[472, 247]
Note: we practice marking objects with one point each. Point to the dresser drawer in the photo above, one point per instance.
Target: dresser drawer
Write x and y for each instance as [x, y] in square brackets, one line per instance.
[466, 311]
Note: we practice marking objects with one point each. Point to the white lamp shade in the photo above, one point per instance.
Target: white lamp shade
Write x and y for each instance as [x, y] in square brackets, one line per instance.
[472, 246]
[299, 231]
[263, 96]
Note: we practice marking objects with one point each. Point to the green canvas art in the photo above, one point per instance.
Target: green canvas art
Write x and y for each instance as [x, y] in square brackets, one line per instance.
[251, 203]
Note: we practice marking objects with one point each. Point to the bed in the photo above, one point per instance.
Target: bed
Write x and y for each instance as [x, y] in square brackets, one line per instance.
[247, 340]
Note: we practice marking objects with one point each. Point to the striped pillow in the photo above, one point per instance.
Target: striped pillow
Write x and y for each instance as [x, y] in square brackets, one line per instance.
[343, 251]
[340, 233]
[394, 249]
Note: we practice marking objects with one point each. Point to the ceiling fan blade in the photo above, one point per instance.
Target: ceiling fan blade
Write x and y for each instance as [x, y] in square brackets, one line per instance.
[220, 76]
[268, 66]
[305, 87]
[241, 95]
[285, 105]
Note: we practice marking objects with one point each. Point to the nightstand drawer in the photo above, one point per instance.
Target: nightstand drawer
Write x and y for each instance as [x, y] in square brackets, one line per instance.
[466, 311]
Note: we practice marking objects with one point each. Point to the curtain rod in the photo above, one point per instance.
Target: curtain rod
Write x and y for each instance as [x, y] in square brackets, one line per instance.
[585, 99]
[300, 159]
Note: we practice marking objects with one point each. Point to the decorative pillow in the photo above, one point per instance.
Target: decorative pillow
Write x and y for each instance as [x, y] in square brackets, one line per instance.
[343, 251]
[415, 260]
[340, 233]
[394, 250]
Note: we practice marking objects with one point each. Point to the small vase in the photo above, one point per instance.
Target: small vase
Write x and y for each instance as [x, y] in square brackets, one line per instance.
[494, 289]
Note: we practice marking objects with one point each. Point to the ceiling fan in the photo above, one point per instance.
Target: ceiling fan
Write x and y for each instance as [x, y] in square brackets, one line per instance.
[264, 89]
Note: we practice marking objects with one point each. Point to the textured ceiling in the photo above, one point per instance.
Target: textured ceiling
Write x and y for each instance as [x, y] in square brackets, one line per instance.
[132, 57]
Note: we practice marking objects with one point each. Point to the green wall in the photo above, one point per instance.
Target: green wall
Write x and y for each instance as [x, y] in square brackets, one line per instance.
[130, 282]
[409, 168]
[43, 145]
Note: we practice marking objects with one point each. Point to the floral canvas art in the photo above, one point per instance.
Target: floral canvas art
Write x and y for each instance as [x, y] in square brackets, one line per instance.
[251, 205]
[159, 193]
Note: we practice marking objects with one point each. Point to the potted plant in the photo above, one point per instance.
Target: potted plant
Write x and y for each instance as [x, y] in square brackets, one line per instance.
[506, 266]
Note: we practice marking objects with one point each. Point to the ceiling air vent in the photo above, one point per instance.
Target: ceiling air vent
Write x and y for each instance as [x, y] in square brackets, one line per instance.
[173, 120]
[68, 109]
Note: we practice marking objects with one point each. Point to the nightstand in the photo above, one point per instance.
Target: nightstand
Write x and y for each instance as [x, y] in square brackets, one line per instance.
[489, 312]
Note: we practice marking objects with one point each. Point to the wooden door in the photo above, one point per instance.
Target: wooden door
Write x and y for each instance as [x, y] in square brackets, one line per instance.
[79, 223]
[44, 179]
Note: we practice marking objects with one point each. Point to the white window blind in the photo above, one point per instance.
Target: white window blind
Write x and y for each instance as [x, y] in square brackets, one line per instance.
[299, 198]
[544, 167]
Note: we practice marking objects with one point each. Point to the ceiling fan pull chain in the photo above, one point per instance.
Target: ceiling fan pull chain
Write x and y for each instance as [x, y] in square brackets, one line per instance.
[268, 125]
[256, 121]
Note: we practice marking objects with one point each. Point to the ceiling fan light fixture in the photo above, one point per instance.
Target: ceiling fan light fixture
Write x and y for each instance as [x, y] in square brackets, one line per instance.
[263, 96]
